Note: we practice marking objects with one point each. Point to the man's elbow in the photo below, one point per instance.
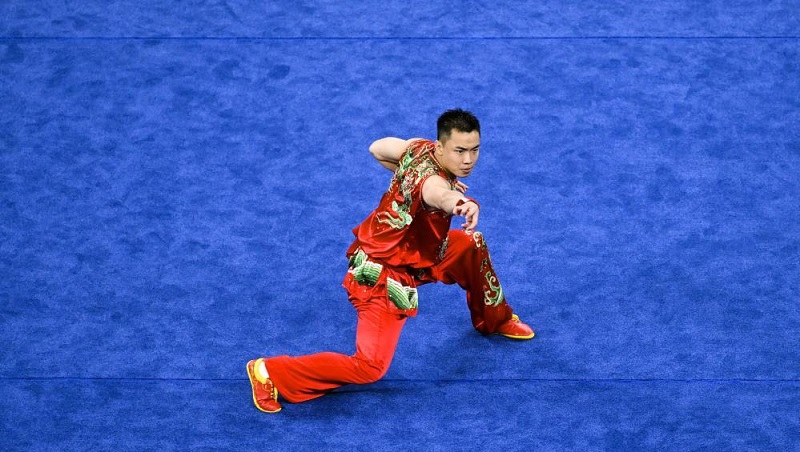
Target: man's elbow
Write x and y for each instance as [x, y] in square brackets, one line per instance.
[374, 148]
[387, 149]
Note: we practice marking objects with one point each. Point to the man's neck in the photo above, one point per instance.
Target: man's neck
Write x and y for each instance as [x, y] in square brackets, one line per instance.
[450, 175]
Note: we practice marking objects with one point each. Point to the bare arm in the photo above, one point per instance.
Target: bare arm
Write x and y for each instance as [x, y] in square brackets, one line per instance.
[436, 193]
[387, 151]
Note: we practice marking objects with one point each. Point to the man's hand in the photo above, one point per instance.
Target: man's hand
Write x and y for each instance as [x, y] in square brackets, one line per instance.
[470, 211]
[461, 186]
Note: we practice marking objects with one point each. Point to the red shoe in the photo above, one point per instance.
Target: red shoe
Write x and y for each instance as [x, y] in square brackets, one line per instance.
[265, 396]
[515, 329]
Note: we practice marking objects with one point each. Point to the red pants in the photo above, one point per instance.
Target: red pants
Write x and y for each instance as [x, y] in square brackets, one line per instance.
[466, 262]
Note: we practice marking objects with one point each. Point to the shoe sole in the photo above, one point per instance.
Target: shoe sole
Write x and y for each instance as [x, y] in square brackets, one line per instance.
[530, 336]
[253, 382]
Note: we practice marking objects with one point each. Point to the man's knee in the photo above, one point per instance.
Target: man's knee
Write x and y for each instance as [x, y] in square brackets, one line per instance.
[370, 371]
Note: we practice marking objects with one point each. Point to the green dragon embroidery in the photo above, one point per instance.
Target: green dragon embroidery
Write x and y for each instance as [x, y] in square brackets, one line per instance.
[411, 169]
[493, 292]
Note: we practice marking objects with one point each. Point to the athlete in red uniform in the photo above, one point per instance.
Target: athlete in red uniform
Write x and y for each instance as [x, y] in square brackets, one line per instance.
[402, 244]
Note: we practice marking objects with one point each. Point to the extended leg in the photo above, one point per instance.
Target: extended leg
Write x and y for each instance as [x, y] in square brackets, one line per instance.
[307, 377]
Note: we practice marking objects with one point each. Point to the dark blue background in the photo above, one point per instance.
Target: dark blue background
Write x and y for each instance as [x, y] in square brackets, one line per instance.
[178, 183]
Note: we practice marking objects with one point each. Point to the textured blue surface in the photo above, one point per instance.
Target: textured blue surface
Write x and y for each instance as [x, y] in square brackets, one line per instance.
[312, 19]
[427, 415]
[178, 184]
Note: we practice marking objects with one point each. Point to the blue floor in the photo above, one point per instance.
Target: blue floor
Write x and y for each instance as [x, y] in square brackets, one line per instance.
[178, 184]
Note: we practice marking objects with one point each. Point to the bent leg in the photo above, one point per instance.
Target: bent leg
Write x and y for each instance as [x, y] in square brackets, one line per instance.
[307, 377]
[466, 262]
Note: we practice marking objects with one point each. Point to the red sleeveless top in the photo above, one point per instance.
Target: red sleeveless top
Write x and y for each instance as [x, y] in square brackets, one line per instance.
[402, 231]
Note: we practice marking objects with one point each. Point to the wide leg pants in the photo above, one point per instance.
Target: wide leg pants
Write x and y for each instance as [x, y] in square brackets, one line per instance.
[465, 262]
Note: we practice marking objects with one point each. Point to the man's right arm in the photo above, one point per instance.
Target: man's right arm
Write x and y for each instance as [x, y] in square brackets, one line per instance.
[436, 193]
[387, 151]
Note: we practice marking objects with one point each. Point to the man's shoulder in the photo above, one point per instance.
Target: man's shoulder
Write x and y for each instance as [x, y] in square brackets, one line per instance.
[413, 141]
[418, 164]
[428, 168]
[417, 152]
[418, 146]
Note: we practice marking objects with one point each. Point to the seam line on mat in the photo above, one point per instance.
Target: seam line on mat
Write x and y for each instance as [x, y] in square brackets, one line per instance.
[399, 38]
[440, 380]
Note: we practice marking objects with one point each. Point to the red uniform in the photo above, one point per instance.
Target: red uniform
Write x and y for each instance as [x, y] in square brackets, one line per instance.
[401, 244]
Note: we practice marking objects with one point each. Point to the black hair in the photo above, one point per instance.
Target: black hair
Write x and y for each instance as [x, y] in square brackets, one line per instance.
[458, 119]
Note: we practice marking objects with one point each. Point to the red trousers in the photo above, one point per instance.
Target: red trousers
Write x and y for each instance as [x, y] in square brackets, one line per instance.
[466, 262]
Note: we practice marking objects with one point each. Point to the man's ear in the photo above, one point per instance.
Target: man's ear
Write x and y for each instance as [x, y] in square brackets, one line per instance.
[438, 147]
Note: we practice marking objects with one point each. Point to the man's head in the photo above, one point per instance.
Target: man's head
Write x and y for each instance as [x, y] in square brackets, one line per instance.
[458, 141]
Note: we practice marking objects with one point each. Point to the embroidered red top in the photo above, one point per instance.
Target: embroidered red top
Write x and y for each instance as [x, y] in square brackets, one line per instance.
[402, 231]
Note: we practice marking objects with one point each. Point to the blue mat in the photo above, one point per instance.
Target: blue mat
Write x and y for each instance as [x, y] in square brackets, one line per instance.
[178, 185]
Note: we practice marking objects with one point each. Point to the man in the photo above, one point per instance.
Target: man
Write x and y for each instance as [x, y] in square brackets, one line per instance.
[403, 243]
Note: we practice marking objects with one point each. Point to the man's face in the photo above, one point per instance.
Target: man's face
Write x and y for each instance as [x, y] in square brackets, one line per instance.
[458, 153]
